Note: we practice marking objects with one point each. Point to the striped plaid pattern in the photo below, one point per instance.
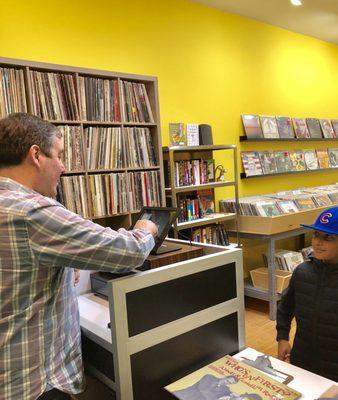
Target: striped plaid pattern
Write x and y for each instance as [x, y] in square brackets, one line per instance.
[40, 341]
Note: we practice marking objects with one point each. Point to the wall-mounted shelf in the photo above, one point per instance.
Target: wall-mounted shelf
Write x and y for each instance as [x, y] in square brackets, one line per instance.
[243, 175]
[245, 139]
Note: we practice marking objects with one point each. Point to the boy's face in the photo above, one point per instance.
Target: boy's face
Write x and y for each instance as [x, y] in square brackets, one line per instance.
[325, 247]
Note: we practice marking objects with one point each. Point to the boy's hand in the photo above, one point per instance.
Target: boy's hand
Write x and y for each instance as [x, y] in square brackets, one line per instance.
[284, 350]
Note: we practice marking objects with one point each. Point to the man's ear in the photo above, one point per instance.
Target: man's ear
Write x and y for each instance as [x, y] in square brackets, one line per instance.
[34, 155]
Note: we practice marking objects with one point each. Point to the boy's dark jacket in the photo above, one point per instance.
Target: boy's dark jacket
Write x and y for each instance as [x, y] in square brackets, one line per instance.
[312, 298]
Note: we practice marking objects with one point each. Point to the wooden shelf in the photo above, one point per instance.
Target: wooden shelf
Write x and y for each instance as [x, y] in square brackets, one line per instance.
[218, 217]
[211, 185]
[199, 148]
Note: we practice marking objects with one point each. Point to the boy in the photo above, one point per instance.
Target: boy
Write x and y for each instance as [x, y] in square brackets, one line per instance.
[312, 298]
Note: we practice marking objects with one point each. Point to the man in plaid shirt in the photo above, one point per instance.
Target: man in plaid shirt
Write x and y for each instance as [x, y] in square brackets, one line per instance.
[40, 243]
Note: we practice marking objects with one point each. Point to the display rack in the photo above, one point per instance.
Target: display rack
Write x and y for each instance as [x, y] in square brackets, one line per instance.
[205, 152]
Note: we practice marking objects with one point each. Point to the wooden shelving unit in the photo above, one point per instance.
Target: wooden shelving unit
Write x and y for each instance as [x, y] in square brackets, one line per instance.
[31, 88]
[205, 152]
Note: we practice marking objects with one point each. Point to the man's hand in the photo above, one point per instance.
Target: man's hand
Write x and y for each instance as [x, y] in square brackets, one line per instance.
[147, 226]
[284, 350]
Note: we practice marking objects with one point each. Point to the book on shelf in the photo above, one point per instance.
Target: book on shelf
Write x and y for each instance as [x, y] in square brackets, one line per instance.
[323, 158]
[327, 129]
[314, 128]
[215, 234]
[192, 135]
[210, 170]
[177, 135]
[334, 123]
[297, 160]
[228, 378]
[269, 127]
[333, 157]
[311, 160]
[300, 128]
[268, 162]
[207, 203]
[252, 126]
[285, 127]
[12, 91]
[251, 163]
[283, 161]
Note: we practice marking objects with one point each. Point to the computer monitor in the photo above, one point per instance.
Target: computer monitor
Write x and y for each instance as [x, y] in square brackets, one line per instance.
[163, 217]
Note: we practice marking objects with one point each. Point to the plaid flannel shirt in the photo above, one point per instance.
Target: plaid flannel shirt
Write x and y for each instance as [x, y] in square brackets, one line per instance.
[40, 340]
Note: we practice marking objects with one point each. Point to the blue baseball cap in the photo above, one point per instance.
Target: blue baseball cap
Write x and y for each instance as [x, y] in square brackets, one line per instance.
[326, 222]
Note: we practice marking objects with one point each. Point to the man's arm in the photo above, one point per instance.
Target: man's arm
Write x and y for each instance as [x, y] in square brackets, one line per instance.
[61, 238]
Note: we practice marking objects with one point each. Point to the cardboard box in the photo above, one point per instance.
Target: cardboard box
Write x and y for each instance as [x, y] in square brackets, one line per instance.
[277, 224]
[260, 278]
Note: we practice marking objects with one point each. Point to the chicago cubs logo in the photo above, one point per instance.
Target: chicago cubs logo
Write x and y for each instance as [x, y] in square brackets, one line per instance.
[324, 219]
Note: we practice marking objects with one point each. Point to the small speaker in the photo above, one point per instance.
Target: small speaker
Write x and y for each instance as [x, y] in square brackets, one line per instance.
[205, 134]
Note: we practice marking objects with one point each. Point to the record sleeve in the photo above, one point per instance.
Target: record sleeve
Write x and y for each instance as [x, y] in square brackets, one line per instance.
[269, 127]
[285, 128]
[297, 160]
[327, 128]
[334, 123]
[323, 158]
[311, 160]
[300, 127]
[314, 128]
[283, 161]
[251, 163]
[268, 162]
[252, 126]
[333, 157]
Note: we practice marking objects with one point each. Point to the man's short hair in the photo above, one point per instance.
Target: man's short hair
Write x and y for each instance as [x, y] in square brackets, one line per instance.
[20, 131]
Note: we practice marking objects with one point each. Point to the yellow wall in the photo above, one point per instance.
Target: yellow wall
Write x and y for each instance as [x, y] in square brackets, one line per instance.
[211, 66]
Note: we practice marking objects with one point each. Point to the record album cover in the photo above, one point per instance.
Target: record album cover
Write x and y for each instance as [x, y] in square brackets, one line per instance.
[252, 126]
[285, 128]
[268, 162]
[283, 161]
[311, 160]
[269, 127]
[297, 160]
[251, 163]
[323, 158]
[228, 378]
[314, 128]
[334, 123]
[300, 127]
[333, 157]
[327, 128]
